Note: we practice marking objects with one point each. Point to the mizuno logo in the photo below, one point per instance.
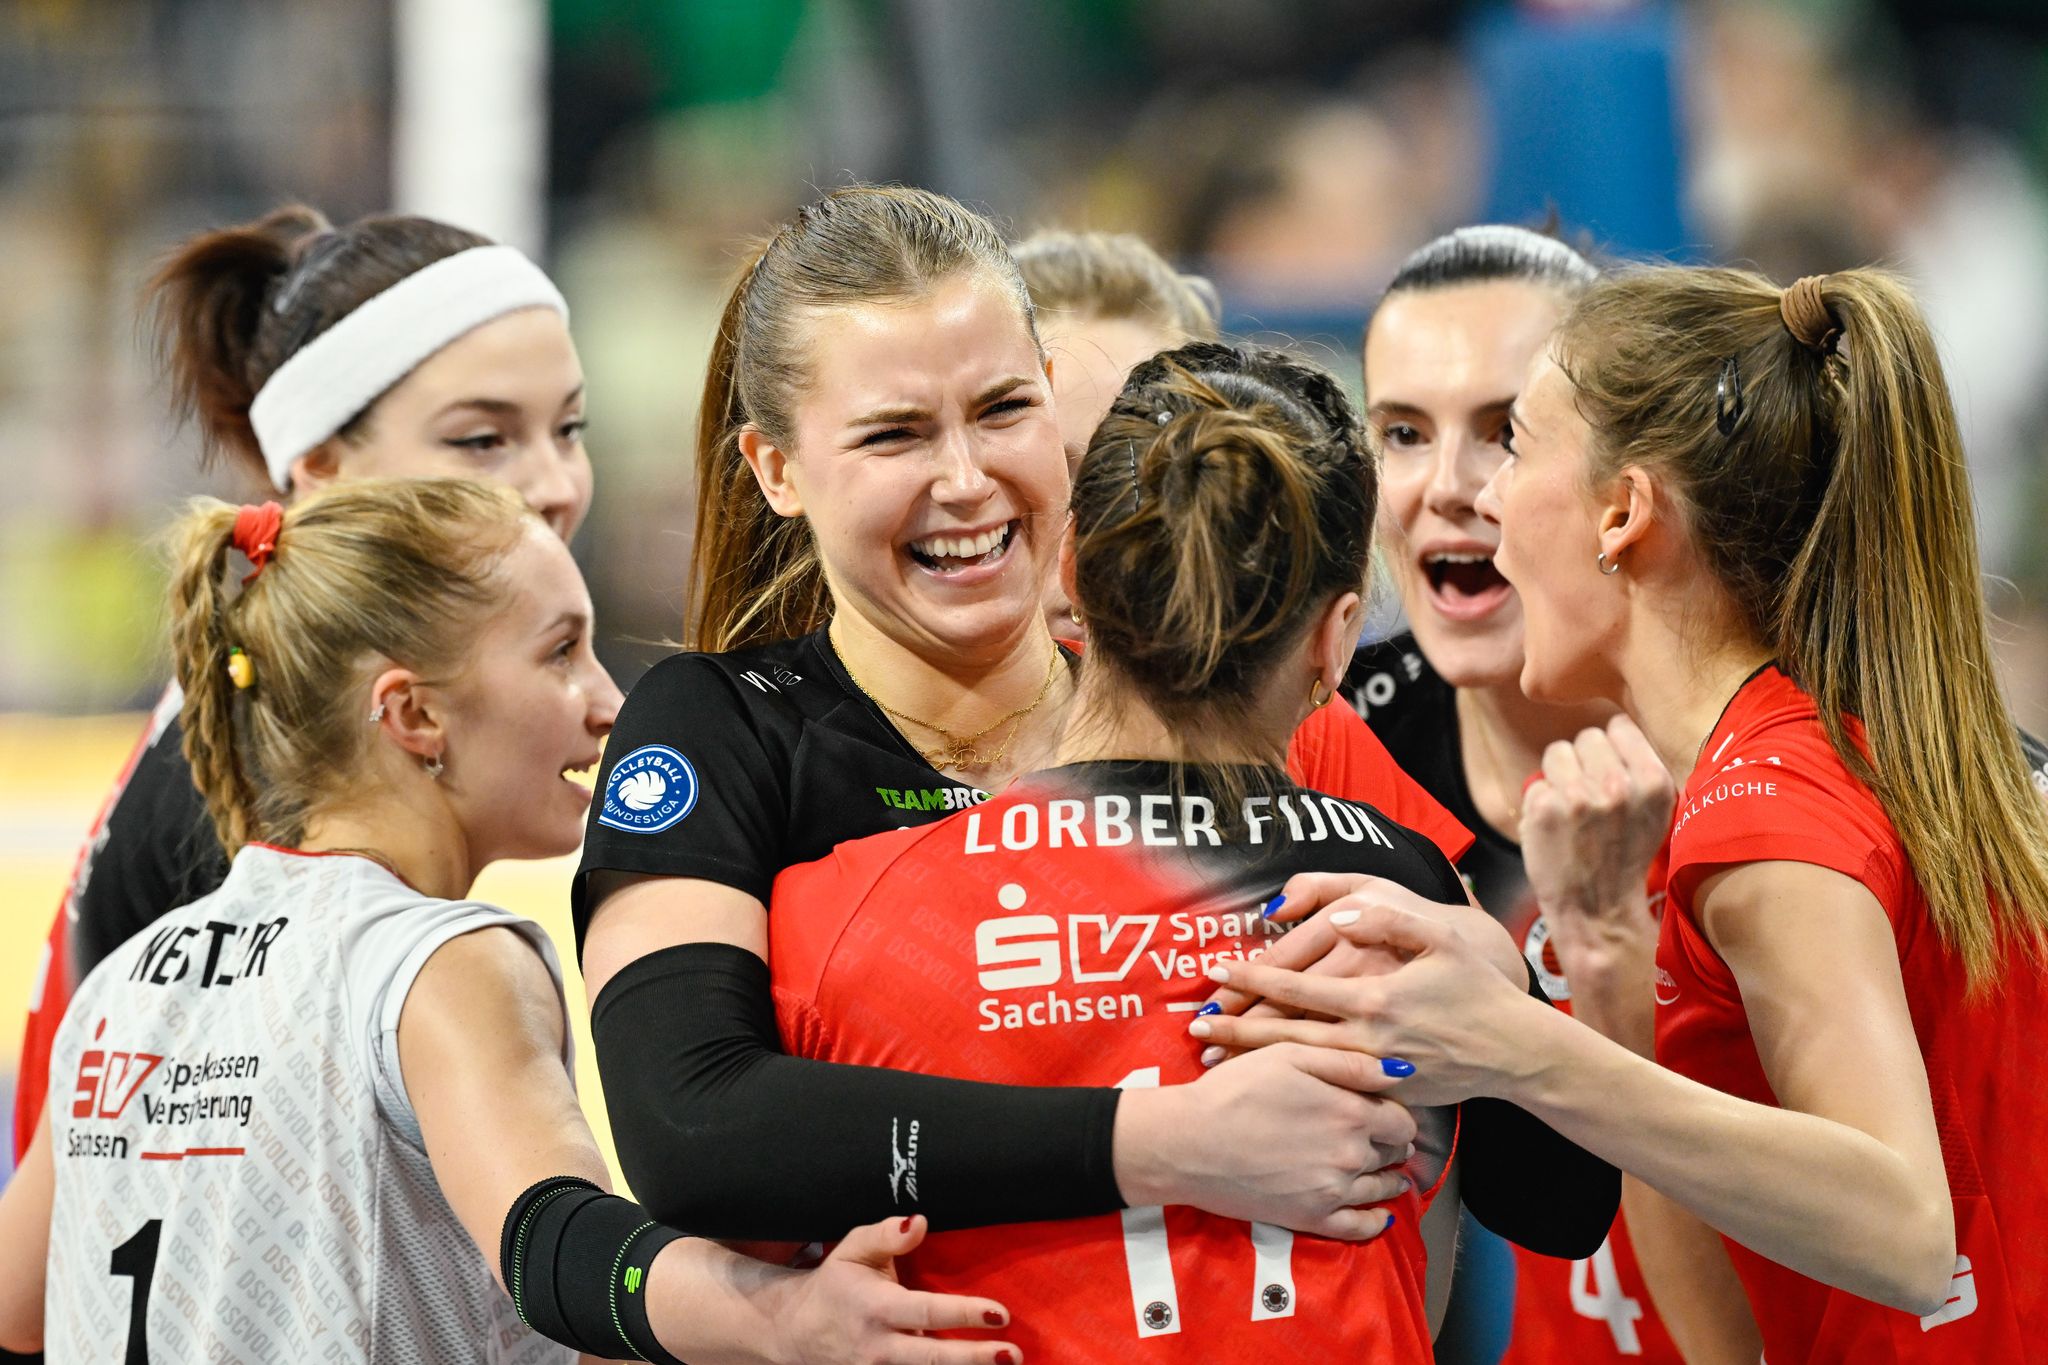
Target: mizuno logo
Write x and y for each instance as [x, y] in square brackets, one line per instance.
[902, 1163]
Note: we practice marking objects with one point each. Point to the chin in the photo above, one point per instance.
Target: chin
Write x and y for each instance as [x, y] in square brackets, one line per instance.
[1485, 654]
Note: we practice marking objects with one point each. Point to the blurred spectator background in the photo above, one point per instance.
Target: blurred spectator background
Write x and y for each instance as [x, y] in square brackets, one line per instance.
[1293, 150]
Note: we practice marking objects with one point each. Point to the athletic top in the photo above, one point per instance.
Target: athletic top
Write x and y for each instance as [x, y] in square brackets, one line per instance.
[239, 1174]
[1414, 713]
[1769, 787]
[732, 767]
[151, 847]
[1058, 935]
[1596, 1308]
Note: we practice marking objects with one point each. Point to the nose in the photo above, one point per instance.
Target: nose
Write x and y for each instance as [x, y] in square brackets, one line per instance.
[1487, 504]
[605, 701]
[1454, 476]
[960, 481]
[556, 485]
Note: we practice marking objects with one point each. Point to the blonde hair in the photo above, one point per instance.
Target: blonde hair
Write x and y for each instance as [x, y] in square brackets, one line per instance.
[755, 575]
[1116, 277]
[399, 569]
[1825, 485]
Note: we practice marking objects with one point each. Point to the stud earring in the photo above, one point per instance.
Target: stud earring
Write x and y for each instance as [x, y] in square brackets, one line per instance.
[434, 767]
[377, 714]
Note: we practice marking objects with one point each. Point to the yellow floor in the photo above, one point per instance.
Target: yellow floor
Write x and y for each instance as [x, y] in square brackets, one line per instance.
[54, 774]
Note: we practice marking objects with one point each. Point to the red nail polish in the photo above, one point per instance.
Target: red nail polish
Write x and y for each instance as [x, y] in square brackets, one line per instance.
[904, 1226]
[992, 1318]
[1005, 1358]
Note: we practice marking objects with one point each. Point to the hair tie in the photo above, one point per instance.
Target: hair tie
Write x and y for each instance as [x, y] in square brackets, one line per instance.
[241, 668]
[256, 532]
[1806, 315]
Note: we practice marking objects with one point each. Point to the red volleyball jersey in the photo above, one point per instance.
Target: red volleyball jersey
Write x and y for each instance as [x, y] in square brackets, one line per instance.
[1769, 787]
[1058, 934]
[1590, 1310]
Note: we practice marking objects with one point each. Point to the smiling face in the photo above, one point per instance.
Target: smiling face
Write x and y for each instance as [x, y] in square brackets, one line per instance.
[1547, 522]
[1090, 358]
[926, 458]
[1442, 366]
[503, 402]
[532, 705]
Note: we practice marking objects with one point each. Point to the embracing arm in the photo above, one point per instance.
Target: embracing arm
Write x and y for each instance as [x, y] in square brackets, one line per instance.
[482, 1022]
[695, 1073]
[1845, 1183]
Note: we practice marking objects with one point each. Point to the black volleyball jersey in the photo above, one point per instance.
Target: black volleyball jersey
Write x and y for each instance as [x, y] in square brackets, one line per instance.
[1415, 714]
[731, 767]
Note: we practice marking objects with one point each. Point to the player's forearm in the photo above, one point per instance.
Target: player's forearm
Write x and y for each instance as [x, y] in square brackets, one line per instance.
[710, 1306]
[25, 1245]
[1685, 1266]
[1817, 1196]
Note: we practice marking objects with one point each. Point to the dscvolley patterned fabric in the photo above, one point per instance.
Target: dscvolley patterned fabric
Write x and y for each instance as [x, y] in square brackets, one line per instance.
[239, 1171]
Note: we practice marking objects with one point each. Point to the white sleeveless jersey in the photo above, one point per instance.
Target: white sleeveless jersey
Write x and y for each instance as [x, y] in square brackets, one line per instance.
[240, 1176]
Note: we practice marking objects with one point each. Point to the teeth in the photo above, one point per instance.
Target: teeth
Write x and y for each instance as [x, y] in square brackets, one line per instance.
[962, 547]
[1459, 559]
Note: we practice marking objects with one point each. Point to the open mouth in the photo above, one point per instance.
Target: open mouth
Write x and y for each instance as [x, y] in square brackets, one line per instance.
[956, 554]
[583, 777]
[1464, 585]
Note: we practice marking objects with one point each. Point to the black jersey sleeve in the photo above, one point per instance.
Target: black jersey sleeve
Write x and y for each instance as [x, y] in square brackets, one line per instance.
[723, 1135]
[694, 784]
[156, 851]
[1521, 1178]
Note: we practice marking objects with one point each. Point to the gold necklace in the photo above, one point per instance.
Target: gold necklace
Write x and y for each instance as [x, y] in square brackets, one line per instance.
[959, 752]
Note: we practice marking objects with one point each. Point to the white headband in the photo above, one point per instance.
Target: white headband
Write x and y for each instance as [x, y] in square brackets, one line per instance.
[333, 377]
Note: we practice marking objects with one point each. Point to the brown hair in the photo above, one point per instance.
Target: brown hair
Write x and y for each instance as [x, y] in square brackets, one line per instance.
[1823, 480]
[1223, 502]
[1115, 276]
[755, 575]
[232, 305]
[398, 569]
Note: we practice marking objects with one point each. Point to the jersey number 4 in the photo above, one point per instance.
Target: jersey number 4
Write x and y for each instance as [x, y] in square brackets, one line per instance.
[136, 1260]
[1154, 1300]
[1596, 1294]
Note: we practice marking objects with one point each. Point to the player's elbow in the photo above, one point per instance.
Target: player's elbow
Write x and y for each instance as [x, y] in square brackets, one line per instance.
[1919, 1264]
[21, 1328]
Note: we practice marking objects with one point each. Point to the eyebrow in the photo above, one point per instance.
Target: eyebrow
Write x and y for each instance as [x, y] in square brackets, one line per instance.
[1392, 408]
[576, 620]
[502, 407]
[911, 412]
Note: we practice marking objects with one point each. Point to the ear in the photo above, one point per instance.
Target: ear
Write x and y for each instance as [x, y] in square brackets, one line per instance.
[770, 464]
[411, 716]
[1633, 504]
[1048, 369]
[1334, 638]
[1067, 560]
[317, 468]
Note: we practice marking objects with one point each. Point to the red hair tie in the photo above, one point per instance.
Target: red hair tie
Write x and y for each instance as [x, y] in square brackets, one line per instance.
[256, 530]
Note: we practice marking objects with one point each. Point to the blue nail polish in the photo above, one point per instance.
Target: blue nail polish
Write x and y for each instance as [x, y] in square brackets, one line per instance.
[1211, 1008]
[1397, 1068]
[1390, 1223]
[1272, 907]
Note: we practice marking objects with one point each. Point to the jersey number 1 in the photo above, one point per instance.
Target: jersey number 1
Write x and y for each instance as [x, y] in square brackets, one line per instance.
[1154, 1299]
[136, 1259]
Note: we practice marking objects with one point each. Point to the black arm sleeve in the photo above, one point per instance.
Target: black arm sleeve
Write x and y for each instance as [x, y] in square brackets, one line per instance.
[723, 1135]
[155, 852]
[1525, 1181]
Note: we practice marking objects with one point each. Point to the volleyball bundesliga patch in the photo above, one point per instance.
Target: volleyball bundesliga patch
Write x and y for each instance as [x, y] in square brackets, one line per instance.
[649, 790]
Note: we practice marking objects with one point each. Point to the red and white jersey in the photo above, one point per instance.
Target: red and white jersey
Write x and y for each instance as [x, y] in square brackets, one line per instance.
[1769, 787]
[1596, 1309]
[239, 1172]
[1058, 934]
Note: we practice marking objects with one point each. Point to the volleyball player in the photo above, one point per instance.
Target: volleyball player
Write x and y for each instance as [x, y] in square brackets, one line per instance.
[1444, 355]
[1219, 547]
[881, 487]
[1103, 301]
[309, 354]
[304, 1117]
[1742, 513]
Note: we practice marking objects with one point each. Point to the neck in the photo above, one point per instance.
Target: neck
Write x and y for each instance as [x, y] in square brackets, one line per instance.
[1110, 722]
[420, 842]
[1675, 684]
[1501, 738]
[964, 695]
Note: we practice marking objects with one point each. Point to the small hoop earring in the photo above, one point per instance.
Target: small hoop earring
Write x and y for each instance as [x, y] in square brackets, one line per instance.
[377, 713]
[434, 768]
[1605, 567]
[1317, 702]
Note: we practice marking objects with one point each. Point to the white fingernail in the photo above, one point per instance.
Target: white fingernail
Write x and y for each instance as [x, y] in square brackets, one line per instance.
[1219, 975]
[1211, 1056]
[1344, 917]
[1200, 1028]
